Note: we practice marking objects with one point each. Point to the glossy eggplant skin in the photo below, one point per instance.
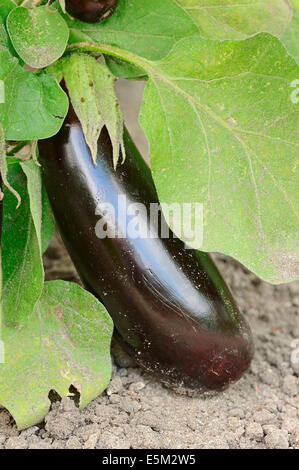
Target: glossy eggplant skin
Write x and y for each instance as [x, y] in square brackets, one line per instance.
[90, 11]
[171, 308]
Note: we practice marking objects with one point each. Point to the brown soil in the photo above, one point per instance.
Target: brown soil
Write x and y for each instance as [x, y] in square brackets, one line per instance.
[260, 411]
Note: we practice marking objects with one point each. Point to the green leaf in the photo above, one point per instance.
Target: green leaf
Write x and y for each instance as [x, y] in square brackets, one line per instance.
[40, 209]
[65, 341]
[34, 107]
[4, 170]
[34, 188]
[38, 35]
[12, 160]
[48, 223]
[148, 28]
[21, 256]
[4, 39]
[5, 7]
[91, 89]
[5, 43]
[2, 93]
[233, 148]
[122, 69]
[230, 19]
[39, 204]
[291, 35]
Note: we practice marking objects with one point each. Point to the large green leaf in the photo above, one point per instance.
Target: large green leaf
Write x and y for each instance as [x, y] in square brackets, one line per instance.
[223, 131]
[230, 19]
[147, 28]
[65, 341]
[21, 255]
[38, 35]
[291, 35]
[91, 89]
[34, 106]
[5, 7]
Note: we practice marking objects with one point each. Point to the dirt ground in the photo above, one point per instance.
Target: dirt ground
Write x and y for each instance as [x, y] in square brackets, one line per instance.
[260, 411]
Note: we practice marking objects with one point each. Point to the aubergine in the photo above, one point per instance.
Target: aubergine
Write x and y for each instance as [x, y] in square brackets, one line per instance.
[172, 311]
[90, 11]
